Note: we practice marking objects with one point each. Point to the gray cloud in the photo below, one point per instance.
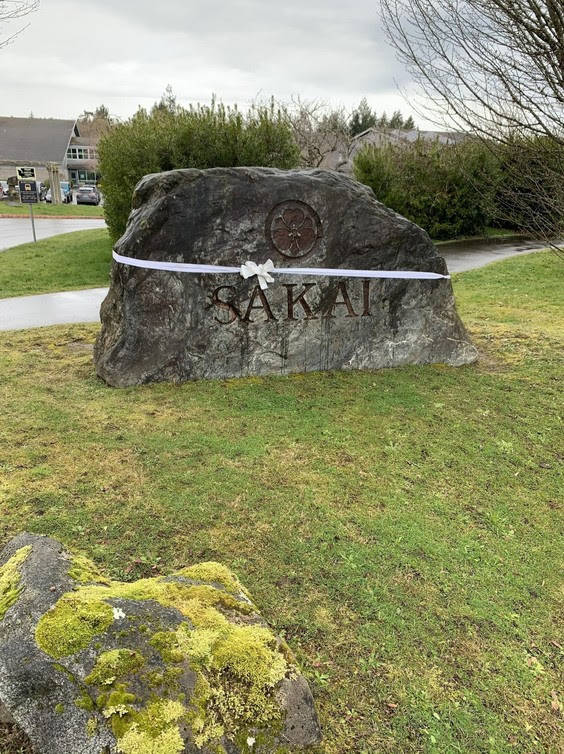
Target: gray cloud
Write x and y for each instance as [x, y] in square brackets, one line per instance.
[75, 56]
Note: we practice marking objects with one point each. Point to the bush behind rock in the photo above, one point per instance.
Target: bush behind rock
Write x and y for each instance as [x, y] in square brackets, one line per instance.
[204, 136]
[449, 190]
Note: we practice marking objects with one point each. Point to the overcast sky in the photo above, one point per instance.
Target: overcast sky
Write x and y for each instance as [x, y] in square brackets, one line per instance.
[123, 53]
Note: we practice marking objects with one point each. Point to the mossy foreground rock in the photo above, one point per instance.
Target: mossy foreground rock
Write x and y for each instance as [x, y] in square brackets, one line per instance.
[182, 663]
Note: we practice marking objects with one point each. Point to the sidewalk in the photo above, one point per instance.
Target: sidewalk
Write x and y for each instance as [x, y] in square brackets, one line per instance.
[469, 255]
[68, 307]
[13, 231]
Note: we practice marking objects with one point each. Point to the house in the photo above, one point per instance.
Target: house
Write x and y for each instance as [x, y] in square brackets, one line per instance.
[342, 160]
[380, 137]
[82, 161]
[38, 141]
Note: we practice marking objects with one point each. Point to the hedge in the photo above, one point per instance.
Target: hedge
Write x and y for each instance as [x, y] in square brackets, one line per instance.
[173, 137]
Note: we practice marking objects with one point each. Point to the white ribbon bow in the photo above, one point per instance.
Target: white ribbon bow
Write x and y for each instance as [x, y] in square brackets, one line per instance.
[248, 269]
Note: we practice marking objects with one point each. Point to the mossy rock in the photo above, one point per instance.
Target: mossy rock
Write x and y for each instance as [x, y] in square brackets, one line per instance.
[167, 665]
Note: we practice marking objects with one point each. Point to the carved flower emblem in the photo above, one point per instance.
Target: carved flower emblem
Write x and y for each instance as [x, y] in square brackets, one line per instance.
[294, 228]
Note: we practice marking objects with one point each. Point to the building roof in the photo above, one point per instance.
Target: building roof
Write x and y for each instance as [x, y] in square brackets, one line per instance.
[379, 137]
[83, 141]
[35, 140]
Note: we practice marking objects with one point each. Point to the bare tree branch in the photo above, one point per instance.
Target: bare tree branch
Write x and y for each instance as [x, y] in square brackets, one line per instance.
[12, 10]
[495, 68]
[317, 131]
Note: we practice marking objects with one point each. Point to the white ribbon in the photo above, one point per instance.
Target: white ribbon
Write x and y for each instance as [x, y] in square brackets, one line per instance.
[248, 269]
[262, 271]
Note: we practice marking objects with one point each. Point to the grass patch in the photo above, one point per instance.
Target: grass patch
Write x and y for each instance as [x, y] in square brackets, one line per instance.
[72, 260]
[397, 526]
[52, 210]
[13, 741]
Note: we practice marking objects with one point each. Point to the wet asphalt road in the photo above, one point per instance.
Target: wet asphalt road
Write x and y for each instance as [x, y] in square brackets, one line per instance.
[84, 306]
[18, 230]
[468, 255]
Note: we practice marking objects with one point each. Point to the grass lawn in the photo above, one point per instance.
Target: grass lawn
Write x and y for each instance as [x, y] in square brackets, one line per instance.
[60, 263]
[52, 210]
[399, 527]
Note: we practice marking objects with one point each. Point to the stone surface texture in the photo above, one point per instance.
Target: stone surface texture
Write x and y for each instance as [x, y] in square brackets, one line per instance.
[159, 326]
[167, 665]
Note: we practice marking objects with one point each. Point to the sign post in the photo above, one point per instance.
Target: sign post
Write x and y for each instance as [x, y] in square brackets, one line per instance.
[28, 192]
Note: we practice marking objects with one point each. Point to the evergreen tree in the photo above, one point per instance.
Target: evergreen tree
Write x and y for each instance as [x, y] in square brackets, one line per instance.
[396, 121]
[167, 102]
[383, 121]
[362, 118]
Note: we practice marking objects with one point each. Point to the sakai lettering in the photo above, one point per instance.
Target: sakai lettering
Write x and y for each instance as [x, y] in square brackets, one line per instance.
[225, 306]
[301, 303]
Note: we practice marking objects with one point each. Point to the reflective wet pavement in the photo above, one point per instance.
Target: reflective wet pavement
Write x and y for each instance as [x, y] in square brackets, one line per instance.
[468, 255]
[15, 231]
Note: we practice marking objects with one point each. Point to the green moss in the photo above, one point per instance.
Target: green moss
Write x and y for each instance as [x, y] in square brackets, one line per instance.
[238, 668]
[168, 679]
[118, 701]
[79, 616]
[207, 595]
[166, 644]
[64, 671]
[59, 708]
[250, 741]
[216, 573]
[155, 730]
[72, 624]
[237, 665]
[85, 701]
[137, 741]
[85, 571]
[91, 726]
[113, 665]
[287, 652]
[10, 576]
[203, 718]
[250, 653]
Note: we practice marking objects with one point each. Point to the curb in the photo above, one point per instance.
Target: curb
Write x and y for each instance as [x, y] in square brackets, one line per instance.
[51, 217]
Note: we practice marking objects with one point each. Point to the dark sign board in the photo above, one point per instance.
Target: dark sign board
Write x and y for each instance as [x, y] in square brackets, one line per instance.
[28, 192]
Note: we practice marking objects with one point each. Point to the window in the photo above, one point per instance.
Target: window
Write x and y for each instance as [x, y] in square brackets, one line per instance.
[82, 153]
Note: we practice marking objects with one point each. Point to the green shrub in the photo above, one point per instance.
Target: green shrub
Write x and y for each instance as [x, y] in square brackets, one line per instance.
[170, 137]
[530, 196]
[448, 190]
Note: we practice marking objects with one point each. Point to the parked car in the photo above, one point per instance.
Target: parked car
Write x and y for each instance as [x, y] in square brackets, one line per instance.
[66, 193]
[88, 195]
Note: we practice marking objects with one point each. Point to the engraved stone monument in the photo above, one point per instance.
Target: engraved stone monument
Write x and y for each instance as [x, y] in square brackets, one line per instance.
[163, 324]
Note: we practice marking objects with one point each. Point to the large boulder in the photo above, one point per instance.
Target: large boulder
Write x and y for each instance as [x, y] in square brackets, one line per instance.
[164, 665]
[159, 325]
